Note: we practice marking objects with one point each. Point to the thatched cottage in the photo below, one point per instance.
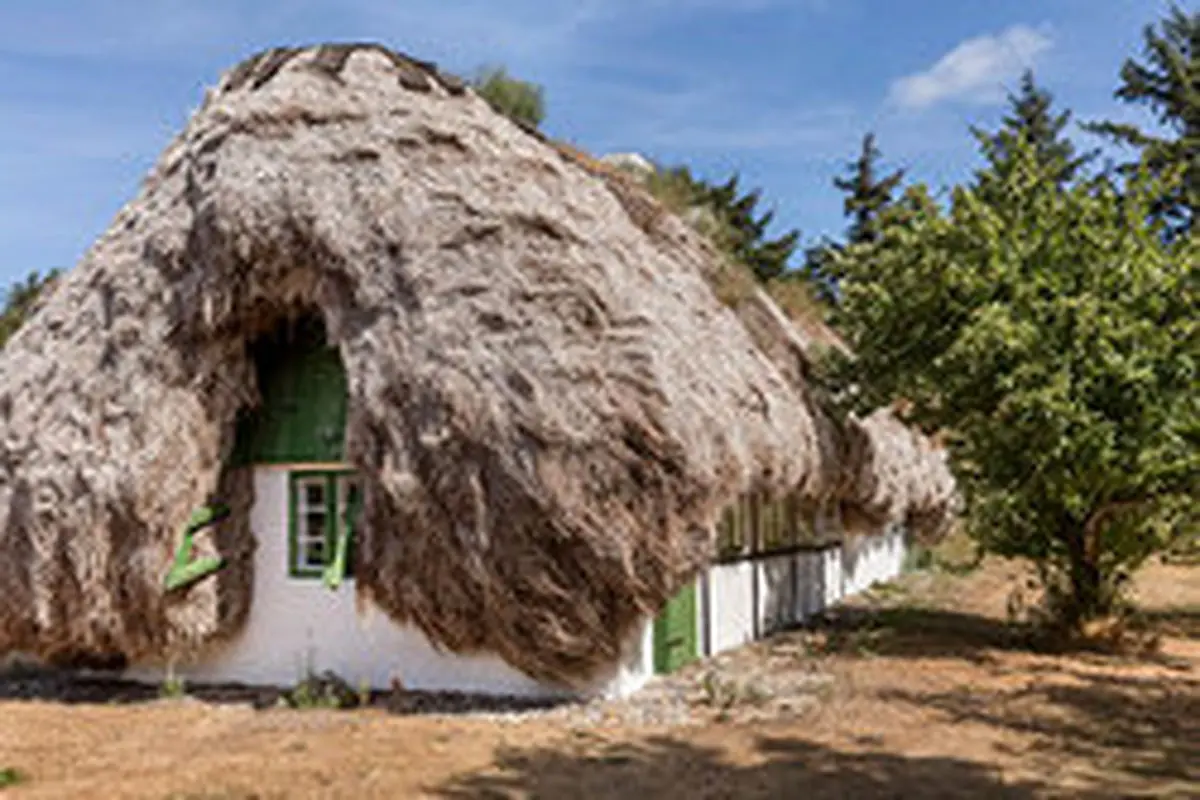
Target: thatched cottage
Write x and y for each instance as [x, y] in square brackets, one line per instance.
[479, 411]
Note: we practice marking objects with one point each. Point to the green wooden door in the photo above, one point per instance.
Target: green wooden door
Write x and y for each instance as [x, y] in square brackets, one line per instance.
[675, 632]
[303, 415]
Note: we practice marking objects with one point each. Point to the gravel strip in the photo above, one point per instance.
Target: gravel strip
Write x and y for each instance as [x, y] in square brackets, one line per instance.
[772, 679]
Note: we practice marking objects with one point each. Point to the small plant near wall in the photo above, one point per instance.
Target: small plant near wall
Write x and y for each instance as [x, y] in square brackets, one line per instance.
[327, 690]
[172, 688]
[919, 559]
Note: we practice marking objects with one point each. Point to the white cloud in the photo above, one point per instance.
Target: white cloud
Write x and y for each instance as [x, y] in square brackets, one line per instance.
[975, 71]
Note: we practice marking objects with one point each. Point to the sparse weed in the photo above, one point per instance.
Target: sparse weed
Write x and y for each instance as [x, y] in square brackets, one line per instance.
[919, 559]
[724, 694]
[327, 690]
[10, 776]
[173, 687]
[719, 693]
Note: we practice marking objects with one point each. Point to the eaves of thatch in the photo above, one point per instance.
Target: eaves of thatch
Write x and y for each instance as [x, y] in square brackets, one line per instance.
[549, 401]
[890, 472]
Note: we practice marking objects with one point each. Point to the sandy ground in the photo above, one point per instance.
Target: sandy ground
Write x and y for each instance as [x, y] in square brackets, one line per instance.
[928, 694]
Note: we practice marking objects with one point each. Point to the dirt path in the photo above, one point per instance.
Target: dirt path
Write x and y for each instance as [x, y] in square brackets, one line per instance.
[928, 695]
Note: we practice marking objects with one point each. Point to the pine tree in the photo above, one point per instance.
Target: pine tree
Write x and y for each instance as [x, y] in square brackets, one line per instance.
[867, 194]
[766, 258]
[1167, 81]
[1031, 120]
[868, 197]
[728, 217]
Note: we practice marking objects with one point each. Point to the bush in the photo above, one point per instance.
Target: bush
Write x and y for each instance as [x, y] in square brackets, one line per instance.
[521, 101]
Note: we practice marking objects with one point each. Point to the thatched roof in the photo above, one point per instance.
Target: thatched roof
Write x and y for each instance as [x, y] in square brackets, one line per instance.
[548, 401]
[895, 474]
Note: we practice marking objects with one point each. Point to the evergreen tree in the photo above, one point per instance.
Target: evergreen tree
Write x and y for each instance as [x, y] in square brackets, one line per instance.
[766, 258]
[1030, 120]
[867, 194]
[867, 197]
[728, 217]
[1167, 81]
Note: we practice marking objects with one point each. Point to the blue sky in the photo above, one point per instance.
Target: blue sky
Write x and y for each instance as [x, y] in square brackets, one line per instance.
[780, 90]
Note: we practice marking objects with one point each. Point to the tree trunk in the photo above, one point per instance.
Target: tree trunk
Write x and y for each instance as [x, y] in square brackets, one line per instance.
[1088, 596]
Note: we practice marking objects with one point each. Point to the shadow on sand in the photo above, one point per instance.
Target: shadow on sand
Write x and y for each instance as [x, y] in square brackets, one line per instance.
[1143, 727]
[676, 768]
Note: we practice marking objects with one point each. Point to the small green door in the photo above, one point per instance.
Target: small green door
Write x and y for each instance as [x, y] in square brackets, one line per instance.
[303, 415]
[675, 632]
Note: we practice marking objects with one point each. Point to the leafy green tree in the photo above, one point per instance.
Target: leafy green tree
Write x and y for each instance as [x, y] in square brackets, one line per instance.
[19, 301]
[1032, 120]
[1167, 81]
[867, 192]
[1051, 335]
[521, 101]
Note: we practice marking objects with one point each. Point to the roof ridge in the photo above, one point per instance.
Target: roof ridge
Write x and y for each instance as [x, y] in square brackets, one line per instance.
[330, 59]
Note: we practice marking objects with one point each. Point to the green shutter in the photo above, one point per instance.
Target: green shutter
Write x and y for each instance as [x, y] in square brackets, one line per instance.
[344, 518]
[303, 415]
[185, 572]
[675, 632]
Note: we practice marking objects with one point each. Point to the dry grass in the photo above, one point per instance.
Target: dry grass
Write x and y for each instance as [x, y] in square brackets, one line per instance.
[796, 299]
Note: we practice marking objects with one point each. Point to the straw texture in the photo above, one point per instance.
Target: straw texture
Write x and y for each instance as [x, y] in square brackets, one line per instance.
[547, 400]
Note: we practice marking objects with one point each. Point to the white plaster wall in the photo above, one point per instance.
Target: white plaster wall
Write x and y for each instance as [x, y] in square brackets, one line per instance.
[833, 578]
[810, 593]
[703, 642]
[297, 627]
[635, 668]
[776, 593]
[795, 587]
[873, 559]
[731, 605]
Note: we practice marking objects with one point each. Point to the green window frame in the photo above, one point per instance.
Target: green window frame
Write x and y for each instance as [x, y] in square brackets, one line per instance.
[319, 520]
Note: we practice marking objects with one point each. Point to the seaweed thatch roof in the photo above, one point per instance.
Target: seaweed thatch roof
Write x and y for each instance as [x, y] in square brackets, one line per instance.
[548, 401]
